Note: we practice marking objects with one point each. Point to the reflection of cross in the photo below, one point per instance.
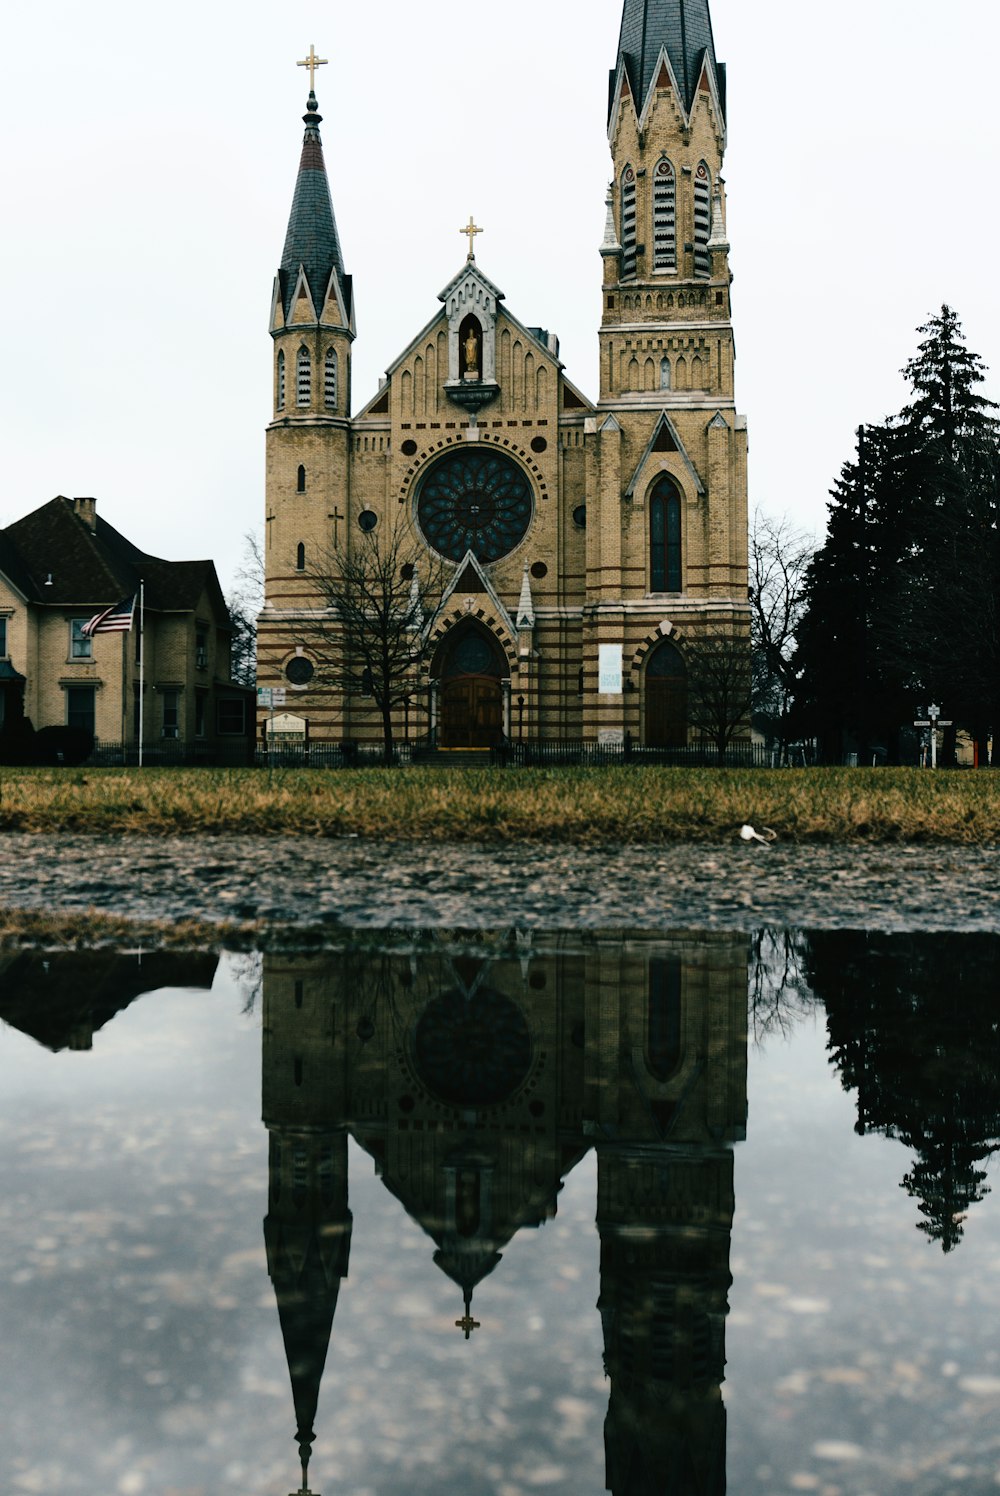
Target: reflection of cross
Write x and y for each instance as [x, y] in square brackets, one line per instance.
[312, 62]
[472, 231]
[335, 516]
[468, 1324]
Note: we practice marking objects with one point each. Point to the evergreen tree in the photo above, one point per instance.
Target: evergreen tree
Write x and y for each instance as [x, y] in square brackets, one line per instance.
[903, 599]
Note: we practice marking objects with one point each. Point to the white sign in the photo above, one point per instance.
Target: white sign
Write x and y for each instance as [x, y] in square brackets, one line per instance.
[287, 725]
[271, 695]
[609, 669]
[611, 737]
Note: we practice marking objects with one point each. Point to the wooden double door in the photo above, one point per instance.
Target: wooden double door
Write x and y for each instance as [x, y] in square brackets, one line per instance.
[471, 712]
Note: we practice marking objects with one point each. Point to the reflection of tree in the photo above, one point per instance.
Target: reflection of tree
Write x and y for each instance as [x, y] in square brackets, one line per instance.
[779, 987]
[913, 1029]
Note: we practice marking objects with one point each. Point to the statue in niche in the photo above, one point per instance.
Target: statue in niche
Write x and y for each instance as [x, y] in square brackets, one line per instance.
[471, 353]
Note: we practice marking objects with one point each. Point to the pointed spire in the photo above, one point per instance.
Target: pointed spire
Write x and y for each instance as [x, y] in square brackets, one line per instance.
[312, 241]
[683, 28]
[525, 606]
[610, 245]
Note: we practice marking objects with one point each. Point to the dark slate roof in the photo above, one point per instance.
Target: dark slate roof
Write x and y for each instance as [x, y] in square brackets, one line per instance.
[684, 27]
[97, 569]
[312, 239]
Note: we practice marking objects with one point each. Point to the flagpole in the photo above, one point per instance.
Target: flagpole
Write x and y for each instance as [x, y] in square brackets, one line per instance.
[142, 660]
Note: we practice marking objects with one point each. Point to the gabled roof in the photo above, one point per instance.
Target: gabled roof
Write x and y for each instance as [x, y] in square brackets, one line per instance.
[684, 29]
[312, 241]
[665, 439]
[97, 567]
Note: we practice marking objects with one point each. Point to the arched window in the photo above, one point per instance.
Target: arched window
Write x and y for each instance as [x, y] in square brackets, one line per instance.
[663, 1029]
[300, 482]
[664, 538]
[628, 221]
[303, 378]
[664, 373]
[330, 378]
[664, 216]
[702, 219]
[300, 557]
[281, 379]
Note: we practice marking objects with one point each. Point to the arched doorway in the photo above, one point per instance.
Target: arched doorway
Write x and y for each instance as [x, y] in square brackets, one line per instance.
[666, 698]
[472, 666]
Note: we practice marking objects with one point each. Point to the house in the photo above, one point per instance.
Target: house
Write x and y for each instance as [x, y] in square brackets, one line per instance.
[59, 566]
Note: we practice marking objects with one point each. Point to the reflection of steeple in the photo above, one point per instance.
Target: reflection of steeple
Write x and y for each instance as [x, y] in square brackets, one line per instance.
[667, 1115]
[307, 1231]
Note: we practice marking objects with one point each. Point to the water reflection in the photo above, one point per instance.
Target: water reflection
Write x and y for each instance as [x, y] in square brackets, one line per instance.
[477, 1079]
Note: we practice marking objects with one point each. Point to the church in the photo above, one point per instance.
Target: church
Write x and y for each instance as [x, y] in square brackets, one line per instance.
[574, 553]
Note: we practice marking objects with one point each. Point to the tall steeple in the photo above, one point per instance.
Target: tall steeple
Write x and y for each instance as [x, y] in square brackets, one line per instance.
[312, 243]
[683, 28]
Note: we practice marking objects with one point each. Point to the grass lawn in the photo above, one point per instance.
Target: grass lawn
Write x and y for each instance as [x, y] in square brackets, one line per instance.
[570, 805]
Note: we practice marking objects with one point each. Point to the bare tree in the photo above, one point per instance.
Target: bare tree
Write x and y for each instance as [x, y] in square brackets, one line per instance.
[245, 600]
[719, 683]
[779, 558]
[369, 633]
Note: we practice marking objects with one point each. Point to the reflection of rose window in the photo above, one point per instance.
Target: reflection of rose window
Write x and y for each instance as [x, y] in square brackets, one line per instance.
[472, 1051]
[478, 501]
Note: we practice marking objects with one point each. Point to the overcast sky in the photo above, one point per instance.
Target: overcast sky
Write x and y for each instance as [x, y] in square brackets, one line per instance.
[149, 161]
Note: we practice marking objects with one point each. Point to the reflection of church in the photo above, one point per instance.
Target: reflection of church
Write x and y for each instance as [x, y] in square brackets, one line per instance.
[585, 545]
[476, 1078]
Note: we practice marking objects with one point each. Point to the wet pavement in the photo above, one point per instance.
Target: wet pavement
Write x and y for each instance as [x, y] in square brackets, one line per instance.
[350, 882]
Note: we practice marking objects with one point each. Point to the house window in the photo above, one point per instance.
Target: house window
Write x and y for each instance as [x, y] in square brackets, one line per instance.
[300, 480]
[80, 646]
[330, 378]
[3, 638]
[628, 221]
[664, 538]
[664, 373]
[281, 379]
[170, 706]
[300, 557]
[80, 707]
[231, 716]
[201, 647]
[664, 217]
[200, 713]
[303, 378]
[702, 220]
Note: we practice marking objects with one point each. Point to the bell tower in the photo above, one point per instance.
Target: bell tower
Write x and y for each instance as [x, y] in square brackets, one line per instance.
[666, 328]
[308, 439]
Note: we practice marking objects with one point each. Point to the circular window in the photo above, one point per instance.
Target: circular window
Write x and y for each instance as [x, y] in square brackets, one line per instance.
[299, 670]
[580, 516]
[474, 500]
[367, 519]
[539, 570]
[539, 444]
[409, 447]
[473, 1054]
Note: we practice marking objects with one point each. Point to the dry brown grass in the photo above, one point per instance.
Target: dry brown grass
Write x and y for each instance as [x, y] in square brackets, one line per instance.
[582, 806]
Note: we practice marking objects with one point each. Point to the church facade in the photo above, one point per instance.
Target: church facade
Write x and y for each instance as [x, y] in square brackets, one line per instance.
[578, 551]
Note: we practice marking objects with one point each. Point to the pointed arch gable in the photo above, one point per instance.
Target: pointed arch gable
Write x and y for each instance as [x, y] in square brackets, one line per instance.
[665, 428]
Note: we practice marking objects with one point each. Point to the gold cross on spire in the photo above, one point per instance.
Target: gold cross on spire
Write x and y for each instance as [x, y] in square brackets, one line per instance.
[468, 1324]
[472, 231]
[312, 62]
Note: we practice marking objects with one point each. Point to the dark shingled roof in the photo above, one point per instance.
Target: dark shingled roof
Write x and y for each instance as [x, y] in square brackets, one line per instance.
[94, 569]
[312, 239]
[684, 27]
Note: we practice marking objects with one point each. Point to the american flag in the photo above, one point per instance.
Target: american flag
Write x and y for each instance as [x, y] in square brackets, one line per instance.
[116, 620]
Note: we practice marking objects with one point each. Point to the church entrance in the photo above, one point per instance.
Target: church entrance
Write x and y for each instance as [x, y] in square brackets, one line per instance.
[666, 698]
[471, 699]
